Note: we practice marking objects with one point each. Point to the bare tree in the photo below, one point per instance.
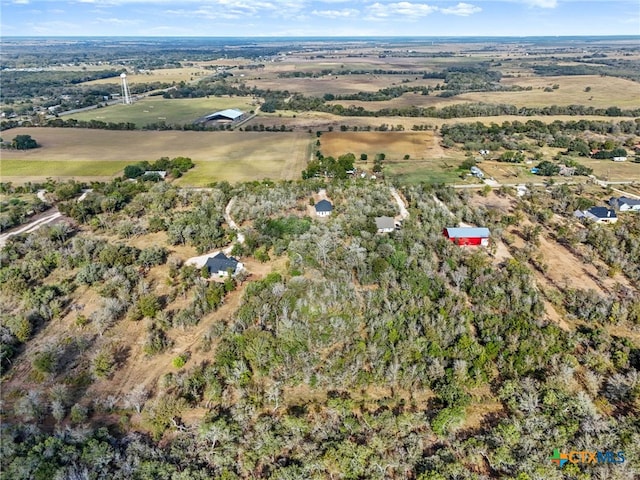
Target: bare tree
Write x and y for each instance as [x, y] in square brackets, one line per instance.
[136, 398]
[30, 406]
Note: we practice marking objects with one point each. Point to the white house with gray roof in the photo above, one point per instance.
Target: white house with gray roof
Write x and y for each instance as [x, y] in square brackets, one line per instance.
[625, 204]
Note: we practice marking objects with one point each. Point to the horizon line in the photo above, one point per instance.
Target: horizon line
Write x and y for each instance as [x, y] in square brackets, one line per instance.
[323, 36]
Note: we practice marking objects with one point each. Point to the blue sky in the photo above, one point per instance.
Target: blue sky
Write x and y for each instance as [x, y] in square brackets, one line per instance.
[319, 17]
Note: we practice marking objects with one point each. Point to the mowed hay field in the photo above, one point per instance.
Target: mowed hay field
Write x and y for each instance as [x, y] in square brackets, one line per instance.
[149, 110]
[339, 84]
[613, 171]
[230, 156]
[427, 162]
[395, 145]
[245, 156]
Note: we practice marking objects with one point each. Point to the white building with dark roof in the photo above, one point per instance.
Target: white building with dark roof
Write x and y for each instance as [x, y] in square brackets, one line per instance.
[221, 265]
[323, 208]
[598, 215]
[625, 204]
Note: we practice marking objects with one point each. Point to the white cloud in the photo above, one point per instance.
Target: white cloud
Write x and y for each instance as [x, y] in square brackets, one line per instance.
[461, 9]
[242, 4]
[406, 9]
[235, 9]
[122, 22]
[542, 3]
[207, 13]
[344, 13]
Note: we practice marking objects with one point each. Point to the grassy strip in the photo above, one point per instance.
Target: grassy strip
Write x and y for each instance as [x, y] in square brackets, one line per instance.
[56, 168]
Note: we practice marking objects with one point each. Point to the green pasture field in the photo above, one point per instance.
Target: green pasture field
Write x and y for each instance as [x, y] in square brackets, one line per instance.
[59, 168]
[231, 156]
[149, 110]
[435, 170]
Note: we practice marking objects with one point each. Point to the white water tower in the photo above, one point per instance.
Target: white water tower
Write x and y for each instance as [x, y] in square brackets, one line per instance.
[126, 95]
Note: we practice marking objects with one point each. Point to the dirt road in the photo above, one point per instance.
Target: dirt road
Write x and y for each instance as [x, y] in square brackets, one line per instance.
[43, 219]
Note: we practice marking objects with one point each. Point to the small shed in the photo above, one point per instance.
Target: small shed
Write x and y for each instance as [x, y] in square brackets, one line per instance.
[323, 208]
[385, 224]
[468, 235]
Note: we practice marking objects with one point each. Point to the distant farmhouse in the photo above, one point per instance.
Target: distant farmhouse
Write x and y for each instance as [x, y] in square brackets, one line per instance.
[323, 208]
[223, 117]
[625, 204]
[221, 265]
[597, 215]
[468, 235]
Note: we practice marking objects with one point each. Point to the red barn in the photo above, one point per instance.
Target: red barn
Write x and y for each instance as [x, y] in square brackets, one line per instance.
[467, 235]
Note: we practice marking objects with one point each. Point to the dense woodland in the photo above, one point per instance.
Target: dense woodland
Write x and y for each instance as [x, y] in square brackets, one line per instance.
[362, 357]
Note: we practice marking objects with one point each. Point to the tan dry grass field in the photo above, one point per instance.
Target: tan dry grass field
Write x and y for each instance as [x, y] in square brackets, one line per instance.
[169, 75]
[511, 173]
[231, 156]
[395, 145]
[252, 156]
[605, 92]
[427, 160]
[613, 171]
[338, 84]
[321, 120]
[410, 99]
